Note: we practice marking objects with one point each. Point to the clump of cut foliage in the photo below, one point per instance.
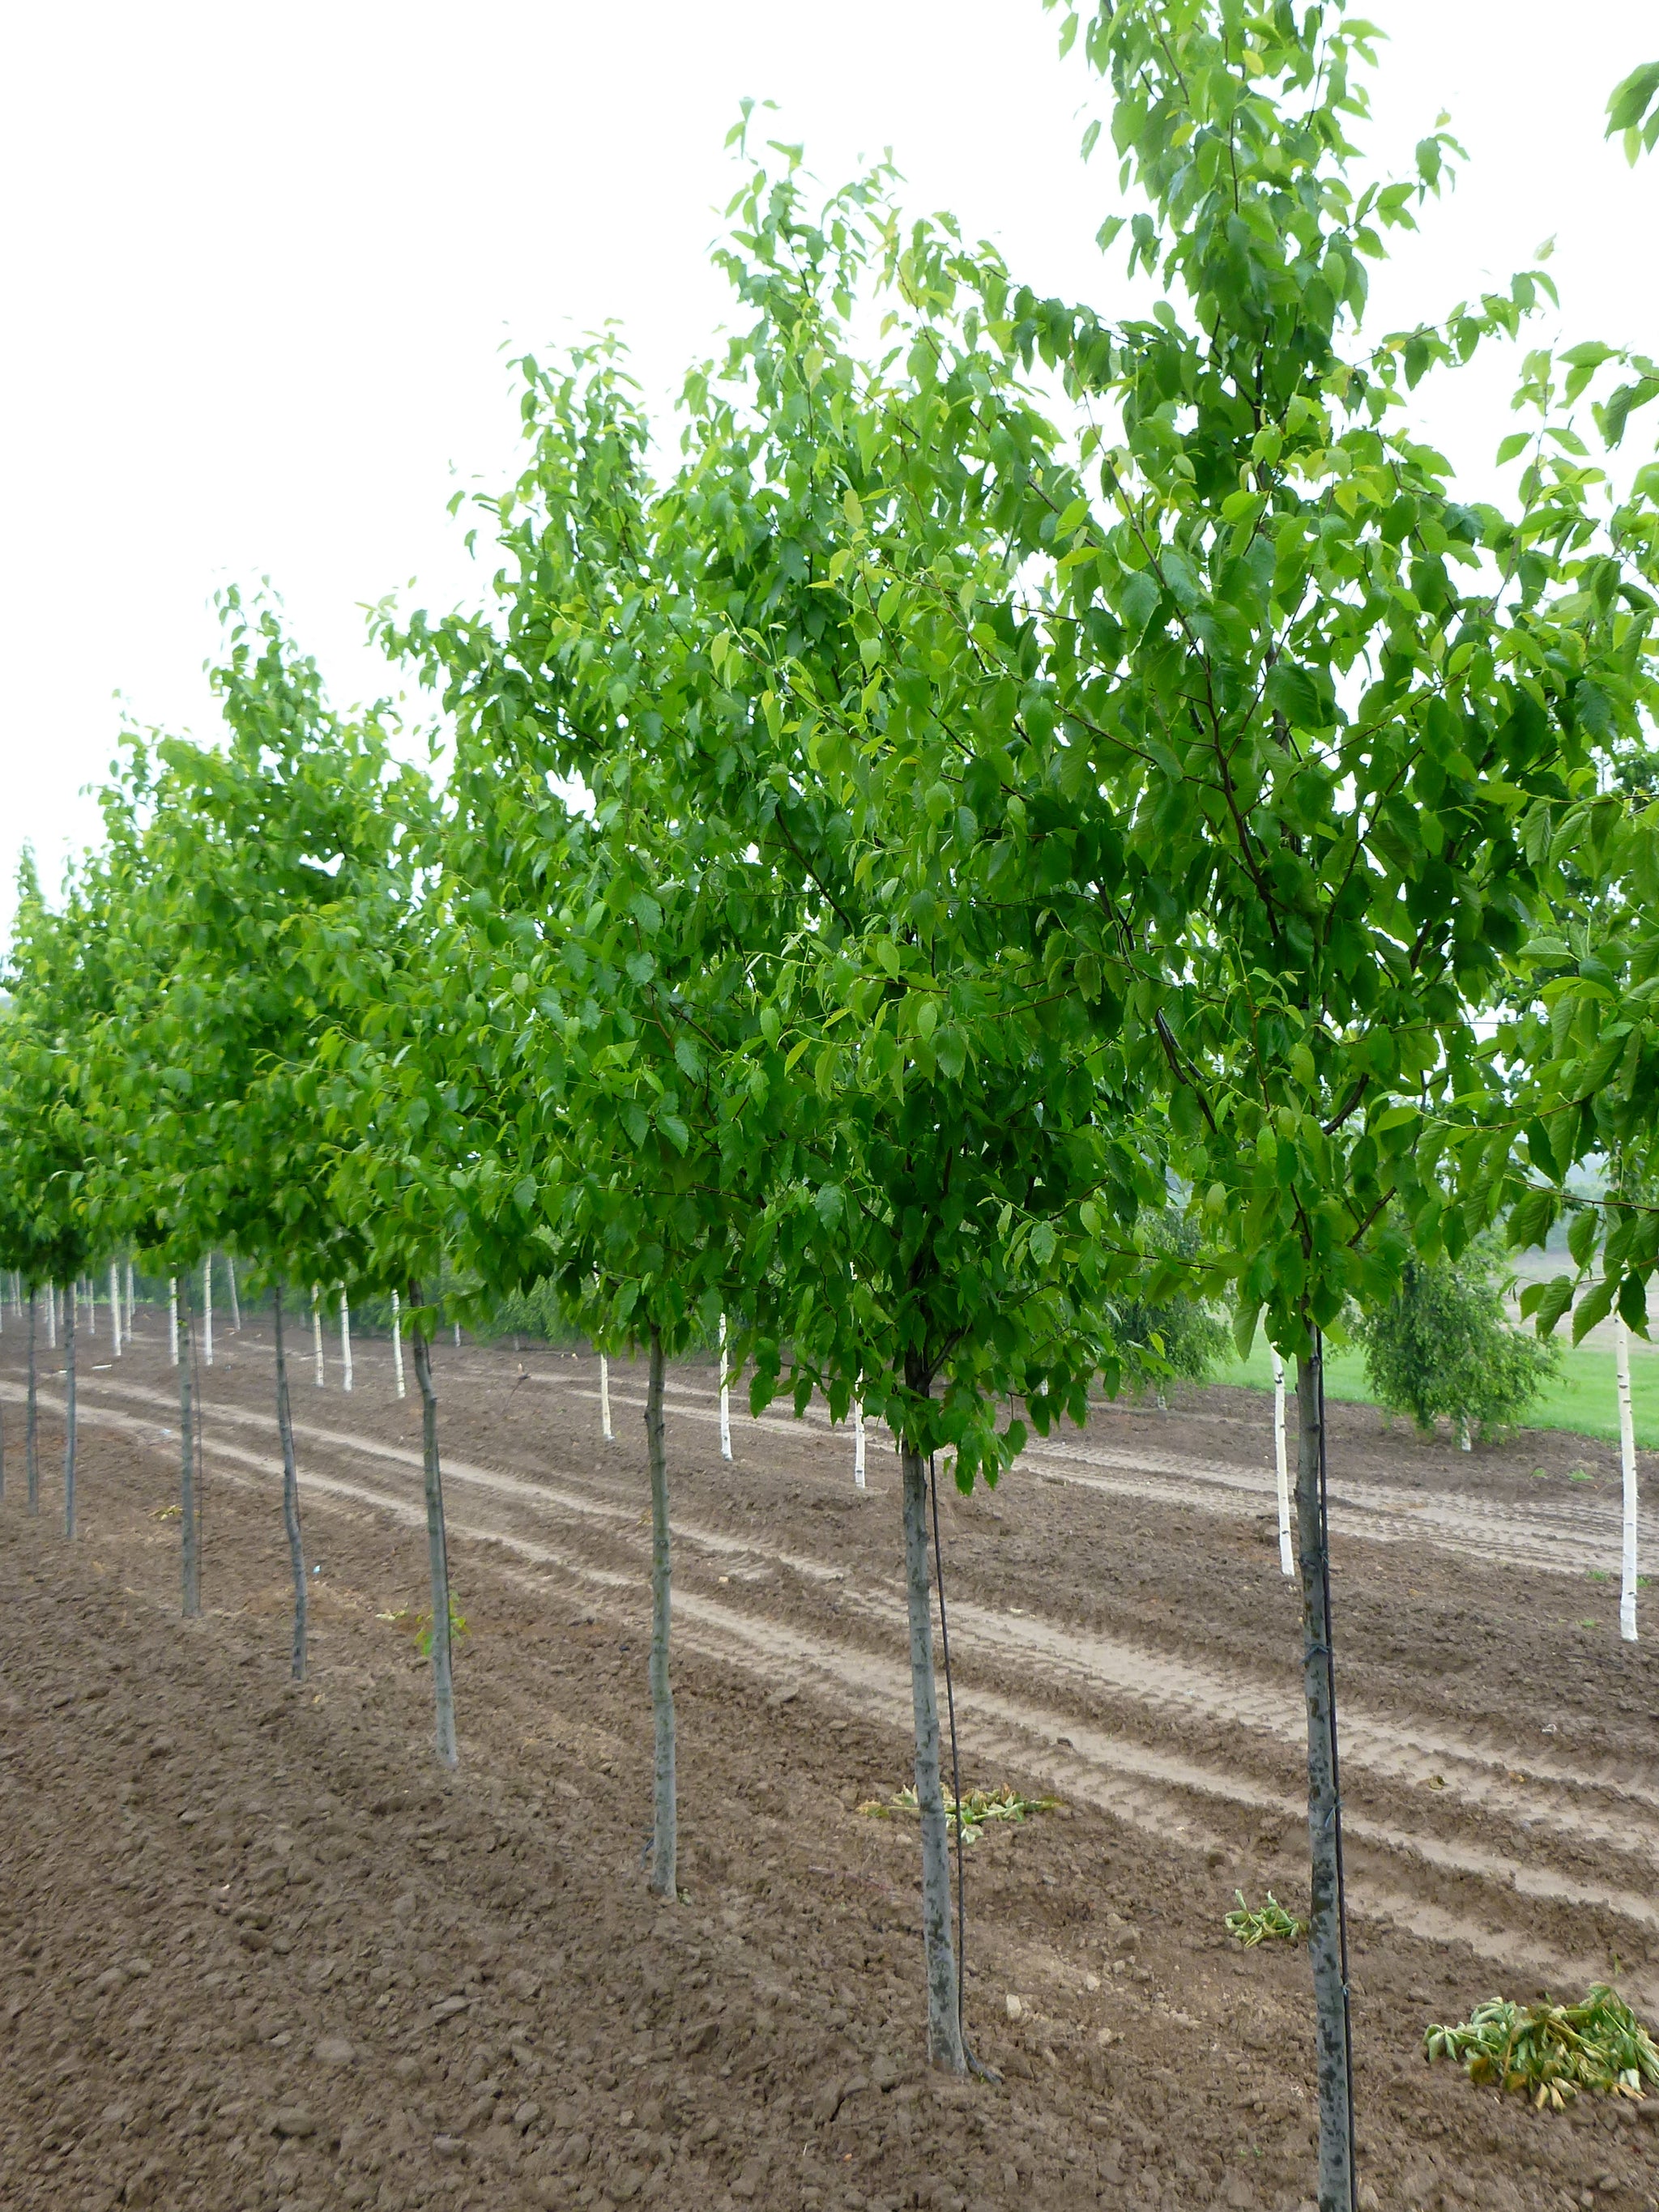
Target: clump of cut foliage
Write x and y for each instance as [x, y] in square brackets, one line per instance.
[1264, 1923]
[973, 1811]
[1441, 1347]
[419, 1625]
[1548, 2052]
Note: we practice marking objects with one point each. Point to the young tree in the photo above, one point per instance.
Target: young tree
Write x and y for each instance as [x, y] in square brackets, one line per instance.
[56, 981]
[910, 1117]
[253, 875]
[1280, 780]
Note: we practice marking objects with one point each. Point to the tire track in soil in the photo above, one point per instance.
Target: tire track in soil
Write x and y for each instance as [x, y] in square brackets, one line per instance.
[1411, 1754]
[1558, 1537]
[1162, 1794]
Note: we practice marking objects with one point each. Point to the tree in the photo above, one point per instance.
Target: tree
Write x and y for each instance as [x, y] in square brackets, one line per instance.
[1441, 1347]
[911, 1117]
[251, 875]
[573, 1034]
[56, 979]
[1245, 777]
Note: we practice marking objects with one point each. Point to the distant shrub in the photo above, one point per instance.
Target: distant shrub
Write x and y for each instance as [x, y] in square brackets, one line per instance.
[1443, 1347]
[1181, 1340]
[533, 1312]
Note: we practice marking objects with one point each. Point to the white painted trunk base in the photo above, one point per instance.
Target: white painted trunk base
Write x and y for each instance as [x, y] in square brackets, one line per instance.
[1627, 1459]
[1281, 1469]
[726, 1399]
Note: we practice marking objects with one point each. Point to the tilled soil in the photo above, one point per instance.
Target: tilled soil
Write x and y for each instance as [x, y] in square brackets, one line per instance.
[262, 1953]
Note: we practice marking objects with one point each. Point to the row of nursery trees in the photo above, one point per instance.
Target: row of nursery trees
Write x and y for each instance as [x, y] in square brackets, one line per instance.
[1017, 818]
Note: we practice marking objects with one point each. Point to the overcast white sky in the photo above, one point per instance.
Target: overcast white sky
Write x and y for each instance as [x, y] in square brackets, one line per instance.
[260, 266]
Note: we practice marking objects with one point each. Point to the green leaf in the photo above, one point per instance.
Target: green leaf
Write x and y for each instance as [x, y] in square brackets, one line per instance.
[1594, 1306]
[1582, 1231]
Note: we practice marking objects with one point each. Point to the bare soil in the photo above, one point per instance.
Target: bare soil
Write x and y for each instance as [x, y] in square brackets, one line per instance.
[260, 1952]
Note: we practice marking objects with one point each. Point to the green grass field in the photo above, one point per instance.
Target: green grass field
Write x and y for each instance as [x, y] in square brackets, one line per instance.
[1582, 1400]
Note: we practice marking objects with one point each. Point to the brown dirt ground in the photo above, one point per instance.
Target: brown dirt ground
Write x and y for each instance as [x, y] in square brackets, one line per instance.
[262, 1953]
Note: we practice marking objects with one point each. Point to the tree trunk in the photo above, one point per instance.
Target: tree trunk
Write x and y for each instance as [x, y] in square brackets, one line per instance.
[173, 1319]
[605, 1397]
[115, 1308]
[397, 1344]
[857, 1443]
[68, 1424]
[235, 1303]
[207, 1311]
[129, 1278]
[437, 1545]
[32, 1418]
[665, 1834]
[345, 1338]
[944, 2046]
[317, 1332]
[1326, 1931]
[191, 1561]
[290, 1491]
[1627, 1460]
[52, 1316]
[1287, 1564]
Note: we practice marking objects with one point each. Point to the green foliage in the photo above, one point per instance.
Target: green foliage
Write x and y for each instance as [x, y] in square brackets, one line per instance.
[253, 887]
[457, 1629]
[1443, 1347]
[57, 985]
[1633, 111]
[1548, 2052]
[534, 1311]
[797, 1064]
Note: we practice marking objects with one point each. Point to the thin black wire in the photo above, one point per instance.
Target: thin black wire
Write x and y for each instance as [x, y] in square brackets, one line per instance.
[956, 1770]
[1336, 1775]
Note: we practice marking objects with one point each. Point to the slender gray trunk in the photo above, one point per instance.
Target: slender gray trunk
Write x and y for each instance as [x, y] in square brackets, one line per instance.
[191, 1561]
[32, 1418]
[665, 1834]
[944, 2046]
[68, 1421]
[1327, 1941]
[235, 1303]
[443, 1675]
[290, 1492]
